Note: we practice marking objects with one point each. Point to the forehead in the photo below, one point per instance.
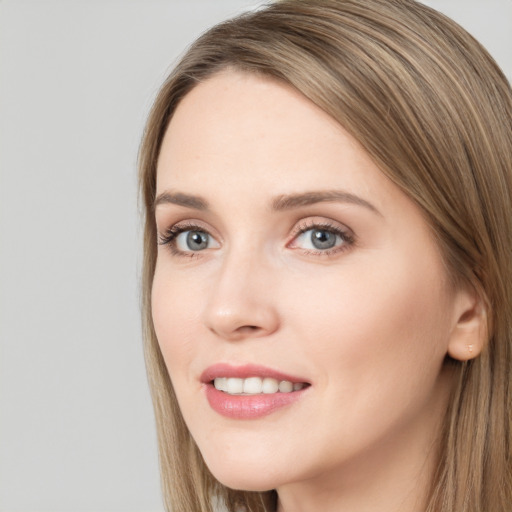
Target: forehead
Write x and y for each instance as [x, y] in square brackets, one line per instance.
[238, 127]
[233, 112]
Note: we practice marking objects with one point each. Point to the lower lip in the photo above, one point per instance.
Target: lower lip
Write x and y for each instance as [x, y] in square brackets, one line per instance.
[247, 407]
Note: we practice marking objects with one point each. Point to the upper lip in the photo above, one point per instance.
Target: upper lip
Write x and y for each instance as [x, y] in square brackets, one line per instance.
[245, 371]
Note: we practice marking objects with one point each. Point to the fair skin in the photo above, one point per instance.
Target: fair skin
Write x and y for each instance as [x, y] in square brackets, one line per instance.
[345, 290]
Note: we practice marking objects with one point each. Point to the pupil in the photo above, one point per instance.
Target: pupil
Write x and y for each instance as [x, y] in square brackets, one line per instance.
[322, 239]
[197, 240]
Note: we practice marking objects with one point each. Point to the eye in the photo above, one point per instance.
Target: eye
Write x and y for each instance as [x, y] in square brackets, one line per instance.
[193, 241]
[322, 239]
[186, 240]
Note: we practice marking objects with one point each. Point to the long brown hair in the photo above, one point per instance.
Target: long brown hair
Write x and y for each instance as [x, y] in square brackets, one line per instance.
[434, 111]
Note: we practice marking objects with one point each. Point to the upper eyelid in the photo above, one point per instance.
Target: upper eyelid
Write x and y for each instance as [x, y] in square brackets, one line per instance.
[186, 225]
[169, 234]
[309, 223]
[300, 225]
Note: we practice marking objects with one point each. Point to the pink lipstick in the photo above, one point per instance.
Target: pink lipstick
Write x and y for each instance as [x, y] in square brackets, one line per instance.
[250, 391]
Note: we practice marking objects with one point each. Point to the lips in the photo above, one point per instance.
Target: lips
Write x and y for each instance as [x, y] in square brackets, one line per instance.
[250, 391]
[244, 372]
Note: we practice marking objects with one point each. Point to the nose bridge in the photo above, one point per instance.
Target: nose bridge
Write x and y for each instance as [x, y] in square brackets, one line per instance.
[240, 303]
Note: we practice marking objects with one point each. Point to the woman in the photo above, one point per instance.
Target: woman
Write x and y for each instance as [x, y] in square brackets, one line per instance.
[327, 275]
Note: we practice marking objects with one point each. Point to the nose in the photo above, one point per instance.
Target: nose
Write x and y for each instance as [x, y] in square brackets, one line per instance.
[241, 303]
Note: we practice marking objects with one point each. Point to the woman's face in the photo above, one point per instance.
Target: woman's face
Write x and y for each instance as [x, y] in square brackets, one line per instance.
[286, 255]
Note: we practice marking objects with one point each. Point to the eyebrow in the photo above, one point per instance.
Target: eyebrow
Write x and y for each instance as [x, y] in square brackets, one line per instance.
[288, 202]
[280, 203]
[189, 201]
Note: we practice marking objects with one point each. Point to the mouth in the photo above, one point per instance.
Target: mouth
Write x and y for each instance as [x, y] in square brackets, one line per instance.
[250, 391]
[256, 385]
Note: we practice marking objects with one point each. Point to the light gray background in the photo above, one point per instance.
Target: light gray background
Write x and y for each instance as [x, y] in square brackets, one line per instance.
[76, 81]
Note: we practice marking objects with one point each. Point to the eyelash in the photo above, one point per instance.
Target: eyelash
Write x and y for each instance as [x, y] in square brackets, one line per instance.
[346, 236]
[168, 238]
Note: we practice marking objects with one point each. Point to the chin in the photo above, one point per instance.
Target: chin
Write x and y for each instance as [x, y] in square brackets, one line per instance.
[246, 484]
[243, 475]
[243, 481]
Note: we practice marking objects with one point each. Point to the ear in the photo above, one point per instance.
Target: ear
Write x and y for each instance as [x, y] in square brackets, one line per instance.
[470, 330]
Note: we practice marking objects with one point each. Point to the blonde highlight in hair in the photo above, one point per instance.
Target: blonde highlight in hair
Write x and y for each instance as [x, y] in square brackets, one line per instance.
[434, 111]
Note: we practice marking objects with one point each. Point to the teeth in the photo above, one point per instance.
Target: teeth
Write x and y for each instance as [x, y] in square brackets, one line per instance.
[252, 385]
[220, 384]
[270, 385]
[234, 386]
[255, 385]
[285, 386]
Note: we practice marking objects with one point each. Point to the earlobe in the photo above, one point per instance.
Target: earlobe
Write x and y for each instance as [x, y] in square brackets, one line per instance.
[470, 331]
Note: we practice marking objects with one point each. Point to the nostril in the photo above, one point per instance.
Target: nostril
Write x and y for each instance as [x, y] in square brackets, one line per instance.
[248, 328]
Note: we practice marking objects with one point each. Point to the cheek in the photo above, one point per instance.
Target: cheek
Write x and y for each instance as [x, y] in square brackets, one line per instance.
[175, 313]
[376, 342]
[385, 324]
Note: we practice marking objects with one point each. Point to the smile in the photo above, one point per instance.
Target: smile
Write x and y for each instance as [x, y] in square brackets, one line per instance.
[256, 385]
[250, 392]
